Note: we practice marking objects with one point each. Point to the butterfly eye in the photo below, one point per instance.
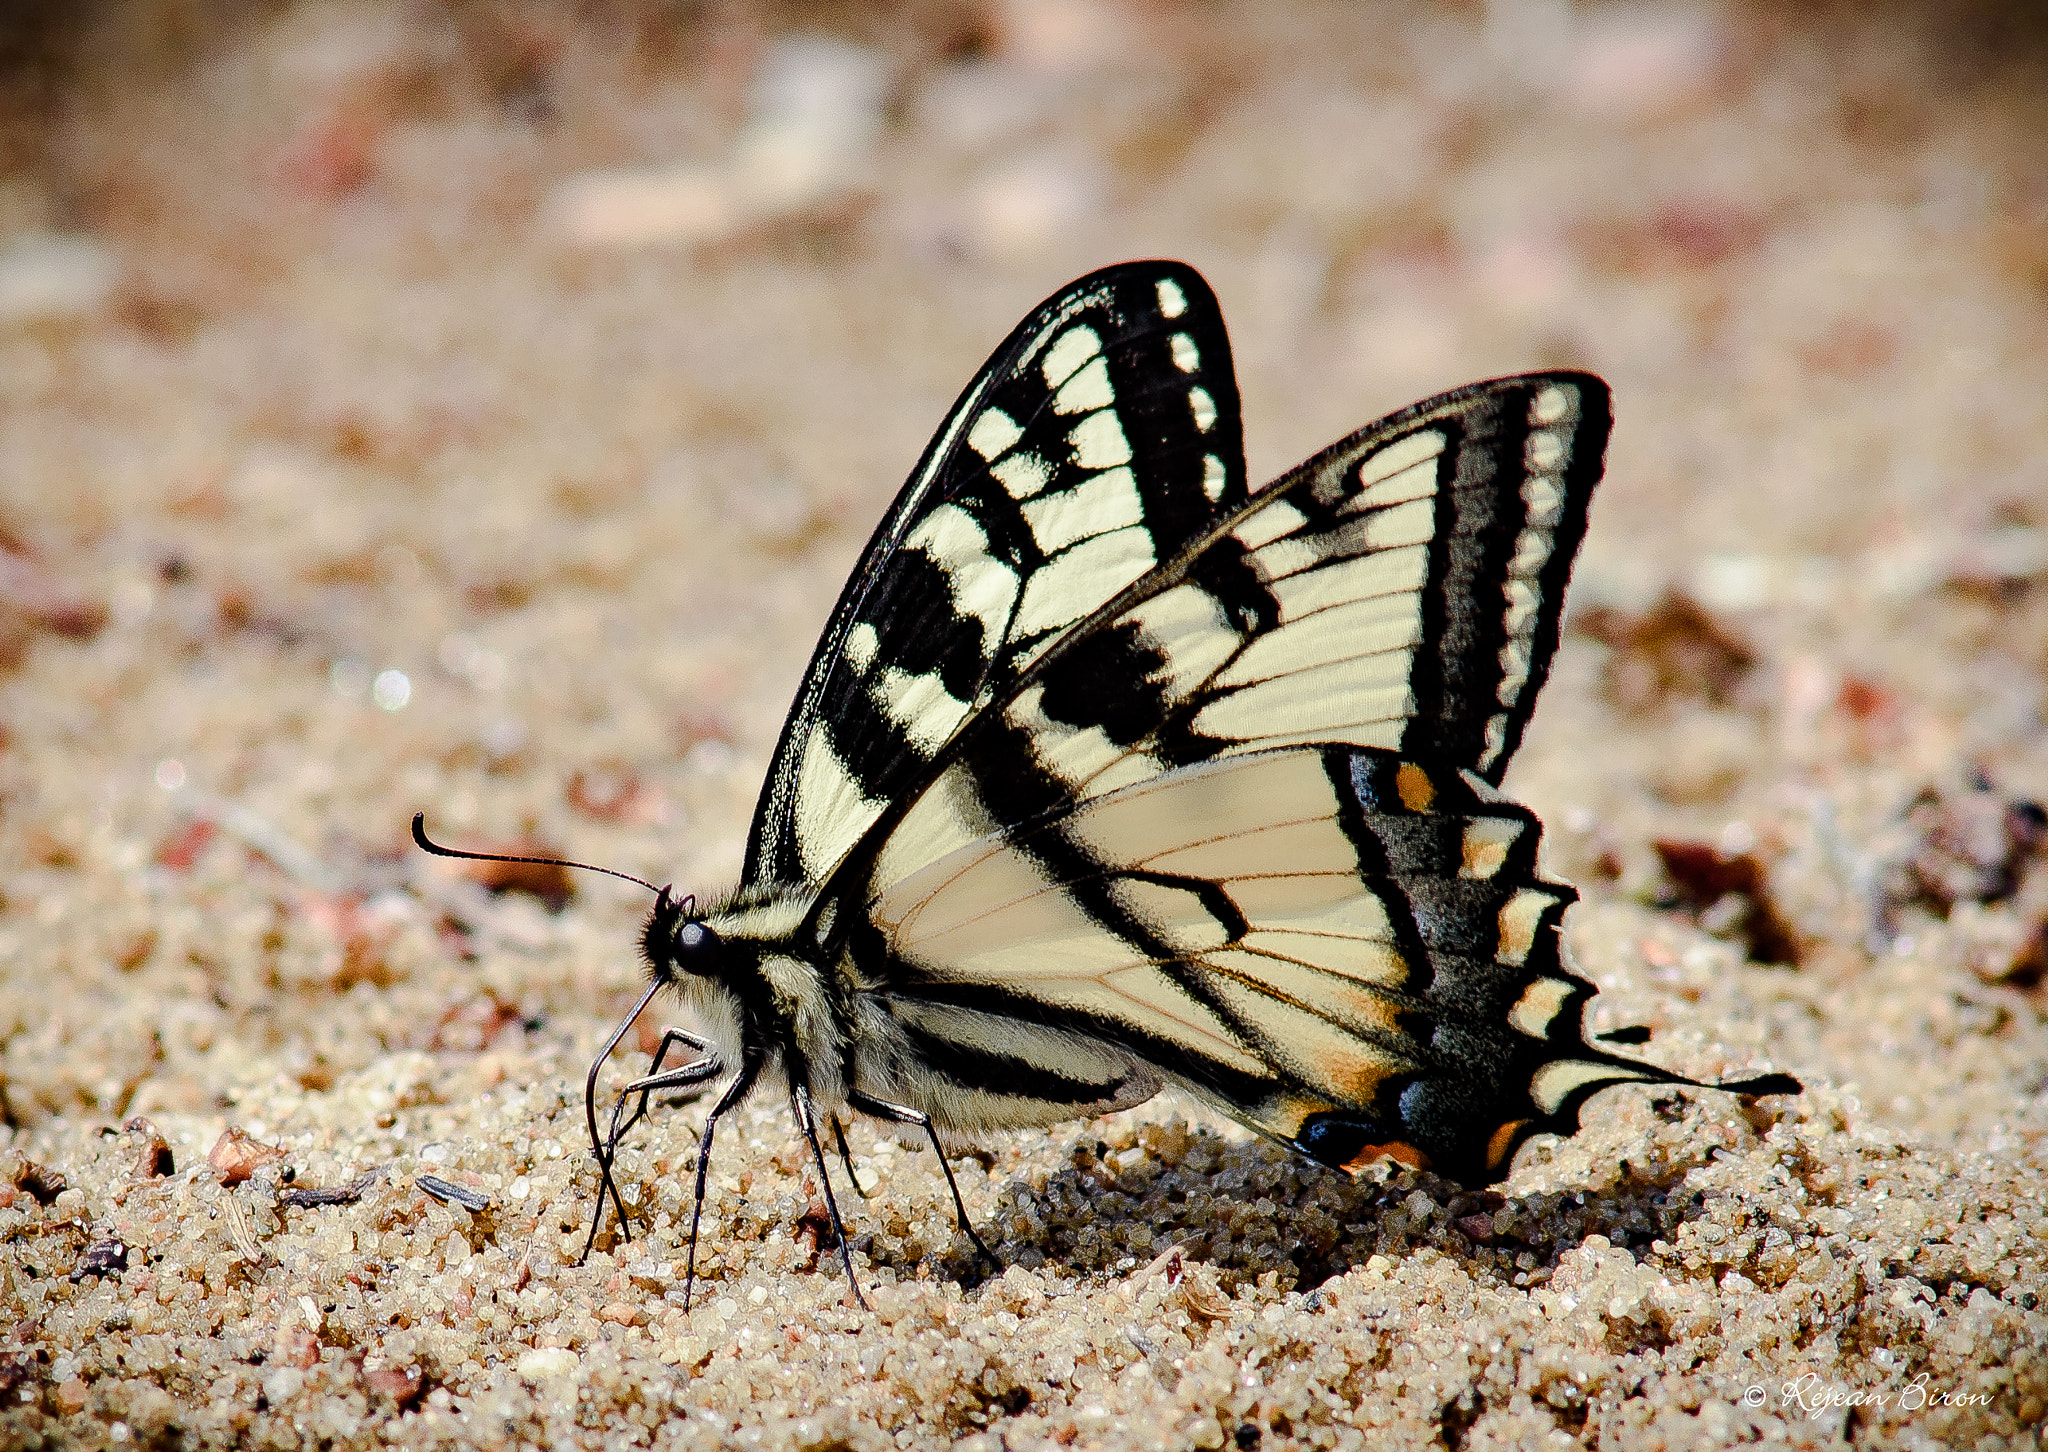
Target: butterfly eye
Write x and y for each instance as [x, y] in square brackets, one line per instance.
[696, 944]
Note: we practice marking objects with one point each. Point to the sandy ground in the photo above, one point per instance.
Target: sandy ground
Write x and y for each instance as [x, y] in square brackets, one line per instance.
[475, 408]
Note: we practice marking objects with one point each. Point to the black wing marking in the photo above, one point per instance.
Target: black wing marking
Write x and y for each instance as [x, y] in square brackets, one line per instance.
[1100, 439]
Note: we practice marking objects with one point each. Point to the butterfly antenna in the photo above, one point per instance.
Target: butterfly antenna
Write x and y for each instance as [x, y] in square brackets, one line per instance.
[427, 844]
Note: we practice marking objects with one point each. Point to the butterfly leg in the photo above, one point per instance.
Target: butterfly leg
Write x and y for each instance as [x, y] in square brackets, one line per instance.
[846, 1157]
[684, 1076]
[618, 1131]
[750, 1070]
[670, 1037]
[698, 1071]
[904, 1114]
[806, 1118]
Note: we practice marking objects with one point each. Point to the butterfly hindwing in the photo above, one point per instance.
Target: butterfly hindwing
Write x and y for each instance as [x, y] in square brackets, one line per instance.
[1344, 950]
[1102, 438]
[1515, 474]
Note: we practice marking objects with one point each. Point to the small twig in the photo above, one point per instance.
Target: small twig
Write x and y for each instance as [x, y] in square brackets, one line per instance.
[449, 1193]
[307, 1197]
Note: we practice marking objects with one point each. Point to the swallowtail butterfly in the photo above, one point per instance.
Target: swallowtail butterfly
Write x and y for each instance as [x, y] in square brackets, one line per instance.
[1110, 773]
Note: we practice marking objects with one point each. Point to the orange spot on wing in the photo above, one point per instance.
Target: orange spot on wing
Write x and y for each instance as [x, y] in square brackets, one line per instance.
[1406, 1154]
[1501, 1144]
[1418, 792]
[1287, 1116]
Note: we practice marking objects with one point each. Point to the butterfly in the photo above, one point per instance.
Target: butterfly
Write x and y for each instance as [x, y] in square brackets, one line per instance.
[1110, 774]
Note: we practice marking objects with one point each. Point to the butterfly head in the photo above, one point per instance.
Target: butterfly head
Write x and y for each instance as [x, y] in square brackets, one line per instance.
[677, 942]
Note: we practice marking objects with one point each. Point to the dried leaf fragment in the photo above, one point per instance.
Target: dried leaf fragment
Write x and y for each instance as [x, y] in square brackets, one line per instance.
[450, 1193]
[1729, 895]
[1170, 1262]
[815, 1225]
[34, 600]
[2028, 967]
[1477, 1228]
[612, 791]
[1972, 847]
[239, 1232]
[547, 881]
[474, 1023]
[1676, 649]
[102, 1258]
[296, 1346]
[401, 1384]
[235, 1156]
[1200, 1294]
[17, 1369]
[183, 848]
[307, 1197]
[42, 1183]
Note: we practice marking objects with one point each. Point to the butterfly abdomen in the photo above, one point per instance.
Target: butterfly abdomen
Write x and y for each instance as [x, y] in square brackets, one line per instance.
[973, 1068]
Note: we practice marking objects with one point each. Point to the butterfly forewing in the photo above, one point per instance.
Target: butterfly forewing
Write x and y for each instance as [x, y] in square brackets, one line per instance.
[1400, 591]
[1100, 440]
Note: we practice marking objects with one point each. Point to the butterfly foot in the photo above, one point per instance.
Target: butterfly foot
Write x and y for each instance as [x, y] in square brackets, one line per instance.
[990, 1258]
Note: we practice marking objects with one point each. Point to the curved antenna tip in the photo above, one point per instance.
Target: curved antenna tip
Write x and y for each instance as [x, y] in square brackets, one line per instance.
[427, 844]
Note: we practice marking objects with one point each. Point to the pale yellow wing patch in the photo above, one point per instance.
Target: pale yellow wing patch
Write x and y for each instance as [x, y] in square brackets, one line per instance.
[1218, 907]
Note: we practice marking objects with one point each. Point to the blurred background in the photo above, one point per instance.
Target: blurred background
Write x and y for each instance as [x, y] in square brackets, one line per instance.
[475, 407]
